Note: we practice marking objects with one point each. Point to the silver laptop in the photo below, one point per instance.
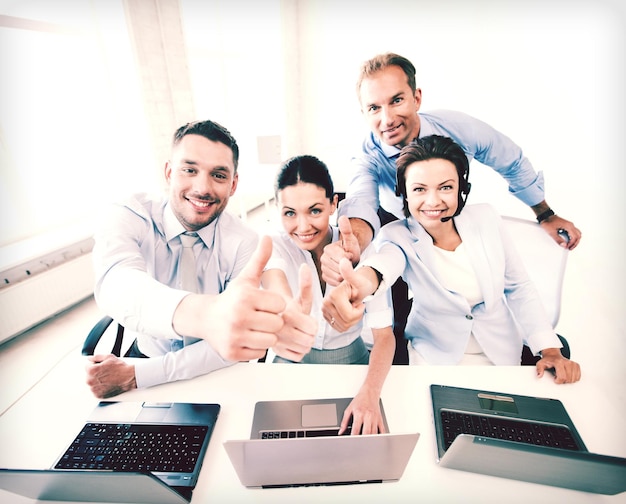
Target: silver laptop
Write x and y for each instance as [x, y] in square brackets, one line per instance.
[126, 452]
[518, 437]
[296, 443]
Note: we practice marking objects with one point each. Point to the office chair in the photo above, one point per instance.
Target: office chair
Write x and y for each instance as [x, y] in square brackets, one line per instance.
[545, 263]
[98, 331]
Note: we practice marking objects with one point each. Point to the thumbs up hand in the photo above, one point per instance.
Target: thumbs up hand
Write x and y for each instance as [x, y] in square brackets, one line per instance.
[348, 247]
[343, 307]
[297, 335]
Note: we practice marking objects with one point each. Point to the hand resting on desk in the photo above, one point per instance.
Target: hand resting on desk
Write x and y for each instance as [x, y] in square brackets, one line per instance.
[108, 375]
[564, 370]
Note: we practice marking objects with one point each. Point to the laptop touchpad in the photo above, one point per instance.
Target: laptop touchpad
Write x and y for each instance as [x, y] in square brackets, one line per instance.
[319, 415]
[154, 412]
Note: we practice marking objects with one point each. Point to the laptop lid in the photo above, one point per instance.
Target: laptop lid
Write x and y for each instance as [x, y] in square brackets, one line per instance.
[584, 471]
[321, 460]
[301, 416]
[574, 468]
[295, 443]
[89, 486]
[162, 418]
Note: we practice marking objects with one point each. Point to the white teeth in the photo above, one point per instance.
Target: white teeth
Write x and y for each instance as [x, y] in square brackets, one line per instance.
[200, 203]
[306, 237]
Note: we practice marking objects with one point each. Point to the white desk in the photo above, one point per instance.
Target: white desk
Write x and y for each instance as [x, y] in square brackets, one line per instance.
[62, 401]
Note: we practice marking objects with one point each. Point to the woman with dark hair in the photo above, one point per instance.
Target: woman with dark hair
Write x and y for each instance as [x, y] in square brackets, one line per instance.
[473, 300]
[306, 201]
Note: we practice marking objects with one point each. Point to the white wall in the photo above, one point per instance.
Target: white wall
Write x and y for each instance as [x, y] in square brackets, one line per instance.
[549, 74]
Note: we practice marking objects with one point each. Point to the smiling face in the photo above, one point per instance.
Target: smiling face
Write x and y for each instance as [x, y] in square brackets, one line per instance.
[390, 106]
[432, 189]
[305, 212]
[201, 178]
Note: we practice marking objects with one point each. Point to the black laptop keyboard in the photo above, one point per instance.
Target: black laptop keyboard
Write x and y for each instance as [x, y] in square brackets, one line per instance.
[291, 434]
[135, 448]
[505, 428]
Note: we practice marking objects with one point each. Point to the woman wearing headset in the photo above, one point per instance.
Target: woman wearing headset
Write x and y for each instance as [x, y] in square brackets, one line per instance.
[473, 301]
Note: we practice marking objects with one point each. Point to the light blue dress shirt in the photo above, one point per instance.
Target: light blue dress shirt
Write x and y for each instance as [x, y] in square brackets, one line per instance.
[373, 181]
[136, 256]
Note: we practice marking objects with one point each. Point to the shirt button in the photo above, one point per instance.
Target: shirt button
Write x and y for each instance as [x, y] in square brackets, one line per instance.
[469, 317]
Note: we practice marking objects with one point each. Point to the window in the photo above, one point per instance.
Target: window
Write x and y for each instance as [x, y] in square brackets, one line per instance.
[72, 129]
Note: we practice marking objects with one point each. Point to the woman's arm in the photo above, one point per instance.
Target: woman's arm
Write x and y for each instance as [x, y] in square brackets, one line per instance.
[364, 410]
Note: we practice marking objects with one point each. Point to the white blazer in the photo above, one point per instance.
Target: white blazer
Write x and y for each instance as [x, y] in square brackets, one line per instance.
[441, 321]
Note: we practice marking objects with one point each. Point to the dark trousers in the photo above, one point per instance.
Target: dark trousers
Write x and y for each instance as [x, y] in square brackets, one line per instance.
[401, 304]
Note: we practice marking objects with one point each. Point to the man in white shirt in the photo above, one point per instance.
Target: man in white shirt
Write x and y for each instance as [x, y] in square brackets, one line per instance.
[137, 258]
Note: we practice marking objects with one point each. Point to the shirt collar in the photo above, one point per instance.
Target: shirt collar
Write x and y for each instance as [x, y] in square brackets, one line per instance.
[392, 151]
[426, 128]
[172, 227]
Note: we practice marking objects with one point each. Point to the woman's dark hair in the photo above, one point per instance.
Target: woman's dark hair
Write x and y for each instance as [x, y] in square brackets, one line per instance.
[307, 169]
[211, 131]
[433, 147]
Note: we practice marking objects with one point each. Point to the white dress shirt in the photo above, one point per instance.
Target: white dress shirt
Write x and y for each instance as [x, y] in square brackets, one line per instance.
[136, 257]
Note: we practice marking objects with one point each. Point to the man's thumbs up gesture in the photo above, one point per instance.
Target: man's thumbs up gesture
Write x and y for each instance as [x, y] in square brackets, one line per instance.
[348, 248]
[240, 323]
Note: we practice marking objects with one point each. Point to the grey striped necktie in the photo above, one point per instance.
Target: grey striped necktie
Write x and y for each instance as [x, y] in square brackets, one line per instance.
[188, 274]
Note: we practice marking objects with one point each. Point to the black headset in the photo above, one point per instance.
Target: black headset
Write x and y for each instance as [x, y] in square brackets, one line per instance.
[464, 189]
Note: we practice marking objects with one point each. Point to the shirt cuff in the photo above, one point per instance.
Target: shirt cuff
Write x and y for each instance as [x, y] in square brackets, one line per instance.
[191, 361]
[541, 341]
[383, 286]
[352, 208]
[379, 319]
[533, 194]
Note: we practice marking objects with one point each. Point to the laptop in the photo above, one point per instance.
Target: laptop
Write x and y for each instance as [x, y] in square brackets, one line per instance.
[137, 452]
[519, 437]
[296, 443]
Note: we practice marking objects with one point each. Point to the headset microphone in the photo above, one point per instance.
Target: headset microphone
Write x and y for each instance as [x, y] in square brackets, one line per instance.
[445, 219]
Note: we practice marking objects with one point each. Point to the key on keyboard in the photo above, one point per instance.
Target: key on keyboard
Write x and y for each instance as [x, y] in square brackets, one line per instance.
[505, 428]
[135, 447]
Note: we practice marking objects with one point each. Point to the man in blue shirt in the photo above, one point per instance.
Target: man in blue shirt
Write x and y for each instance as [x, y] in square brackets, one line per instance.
[390, 103]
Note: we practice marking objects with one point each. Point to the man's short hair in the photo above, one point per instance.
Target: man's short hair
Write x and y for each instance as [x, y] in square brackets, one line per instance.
[382, 61]
[211, 131]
